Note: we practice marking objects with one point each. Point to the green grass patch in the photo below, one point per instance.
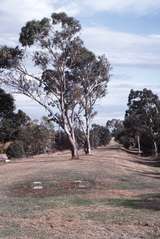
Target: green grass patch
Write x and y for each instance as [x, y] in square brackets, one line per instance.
[77, 201]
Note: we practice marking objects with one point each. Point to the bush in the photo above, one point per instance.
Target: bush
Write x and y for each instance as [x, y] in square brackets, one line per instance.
[15, 150]
[125, 141]
[62, 141]
[147, 144]
[99, 136]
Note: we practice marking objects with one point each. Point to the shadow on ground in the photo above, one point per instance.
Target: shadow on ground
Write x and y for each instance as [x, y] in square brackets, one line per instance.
[147, 201]
[150, 162]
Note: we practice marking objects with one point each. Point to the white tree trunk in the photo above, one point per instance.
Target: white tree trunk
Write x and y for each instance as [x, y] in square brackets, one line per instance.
[74, 149]
[139, 144]
[70, 131]
[155, 149]
[87, 146]
[72, 140]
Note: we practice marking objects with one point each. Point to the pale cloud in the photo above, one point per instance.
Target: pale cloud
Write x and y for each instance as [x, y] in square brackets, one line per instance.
[15, 13]
[22, 11]
[26, 8]
[122, 47]
[141, 7]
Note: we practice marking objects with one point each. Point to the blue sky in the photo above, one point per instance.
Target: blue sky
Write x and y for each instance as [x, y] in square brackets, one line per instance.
[127, 31]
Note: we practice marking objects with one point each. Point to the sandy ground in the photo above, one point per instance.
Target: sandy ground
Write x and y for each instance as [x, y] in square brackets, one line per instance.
[110, 194]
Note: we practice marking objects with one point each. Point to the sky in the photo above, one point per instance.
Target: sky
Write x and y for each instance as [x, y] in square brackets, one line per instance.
[126, 31]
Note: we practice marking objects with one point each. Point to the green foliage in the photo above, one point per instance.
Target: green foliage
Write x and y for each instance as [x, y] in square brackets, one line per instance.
[142, 119]
[6, 104]
[61, 141]
[115, 126]
[36, 138]
[100, 136]
[33, 30]
[10, 122]
[10, 57]
[124, 139]
[16, 150]
[12, 125]
[28, 138]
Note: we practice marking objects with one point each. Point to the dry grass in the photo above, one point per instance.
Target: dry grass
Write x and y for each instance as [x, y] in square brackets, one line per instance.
[106, 195]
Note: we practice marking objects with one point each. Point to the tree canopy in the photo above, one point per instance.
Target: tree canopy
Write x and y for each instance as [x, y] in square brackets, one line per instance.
[142, 120]
[10, 121]
[67, 78]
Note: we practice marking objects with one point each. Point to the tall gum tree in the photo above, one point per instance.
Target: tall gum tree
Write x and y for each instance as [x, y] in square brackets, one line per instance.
[143, 115]
[40, 69]
[93, 73]
[43, 68]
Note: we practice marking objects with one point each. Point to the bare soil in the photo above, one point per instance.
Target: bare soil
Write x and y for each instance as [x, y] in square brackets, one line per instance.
[110, 194]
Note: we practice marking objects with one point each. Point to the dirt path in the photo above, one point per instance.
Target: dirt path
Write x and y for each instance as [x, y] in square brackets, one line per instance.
[110, 194]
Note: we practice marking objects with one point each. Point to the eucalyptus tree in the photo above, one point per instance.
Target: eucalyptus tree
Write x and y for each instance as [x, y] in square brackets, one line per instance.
[143, 116]
[114, 126]
[52, 67]
[40, 68]
[93, 73]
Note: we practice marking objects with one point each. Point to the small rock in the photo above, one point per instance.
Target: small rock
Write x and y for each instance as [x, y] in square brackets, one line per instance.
[38, 187]
[37, 182]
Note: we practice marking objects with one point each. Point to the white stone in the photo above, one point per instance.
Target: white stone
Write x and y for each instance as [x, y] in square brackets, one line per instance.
[38, 187]
[37, 182]
[82, 186]
[78, 181]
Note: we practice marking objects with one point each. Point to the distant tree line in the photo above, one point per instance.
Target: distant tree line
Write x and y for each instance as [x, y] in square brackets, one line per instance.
[139, 130]
[141, 125]
[28, 137]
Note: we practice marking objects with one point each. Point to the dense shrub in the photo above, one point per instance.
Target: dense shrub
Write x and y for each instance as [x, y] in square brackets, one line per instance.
[125, 141]
[15, 150]
[37, 139]
[147, 146]
[61, 141]
[99, 136]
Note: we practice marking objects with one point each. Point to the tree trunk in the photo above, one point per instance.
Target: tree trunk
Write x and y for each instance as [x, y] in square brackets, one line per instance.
[74, 148]
[139, 144]
[70, 131]
[87, 146]
[74, 151]
[155, 149]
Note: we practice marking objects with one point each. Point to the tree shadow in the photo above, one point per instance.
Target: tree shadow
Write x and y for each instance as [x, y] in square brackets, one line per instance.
[153, 175]
[148, 162]
[147, 201]
[105, 149]
[140, 172]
